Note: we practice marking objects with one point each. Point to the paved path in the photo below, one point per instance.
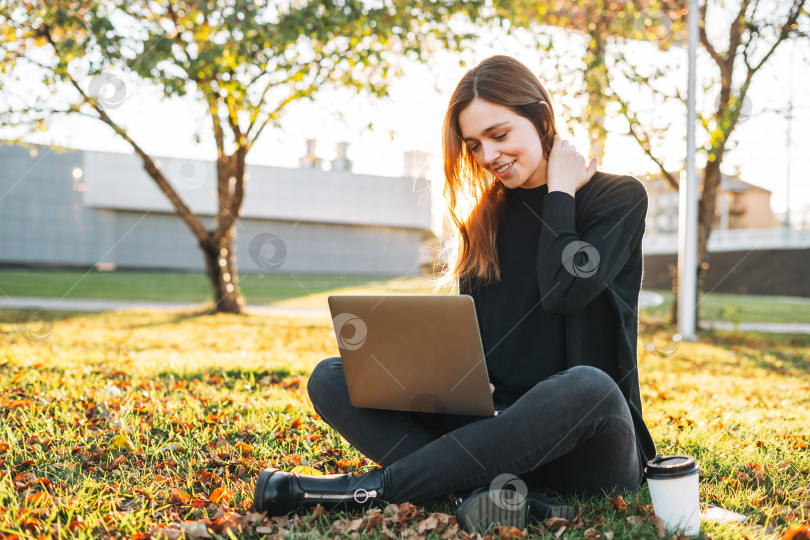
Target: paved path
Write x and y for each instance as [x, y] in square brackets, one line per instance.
[74, 304]
[647, 299]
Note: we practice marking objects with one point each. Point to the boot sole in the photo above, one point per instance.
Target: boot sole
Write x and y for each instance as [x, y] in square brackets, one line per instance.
[481, 511]
[258, 491]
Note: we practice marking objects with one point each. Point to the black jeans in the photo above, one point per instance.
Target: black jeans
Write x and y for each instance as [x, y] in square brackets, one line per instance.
[571, 432]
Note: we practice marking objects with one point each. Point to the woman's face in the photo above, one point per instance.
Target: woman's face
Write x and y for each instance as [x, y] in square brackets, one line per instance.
[504, 143]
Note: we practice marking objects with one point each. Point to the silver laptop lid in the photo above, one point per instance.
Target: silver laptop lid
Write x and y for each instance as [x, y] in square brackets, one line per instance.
[412, 353]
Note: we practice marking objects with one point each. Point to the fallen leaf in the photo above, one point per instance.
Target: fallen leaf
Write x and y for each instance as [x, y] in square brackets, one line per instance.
[407, 511]
[559, 532]
[635, 521]
[759, 472]
[619, 504]
[196, 529]
[40, 498]
[306, 471]
[554, 523]
[608, 535]
[660, 526]
[227, 522]
[168, 534]
[315, 513]
[178, 496]
[591, 533]
[172, 447]
[120, 442]
[264, 530]
[355, 525]
[453, 532]
[801, 532]
[507, 532]
[220, 495]
[742, 477]
[427, 524]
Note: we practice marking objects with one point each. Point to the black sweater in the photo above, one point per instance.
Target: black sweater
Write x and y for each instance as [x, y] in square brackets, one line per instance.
[560, 303]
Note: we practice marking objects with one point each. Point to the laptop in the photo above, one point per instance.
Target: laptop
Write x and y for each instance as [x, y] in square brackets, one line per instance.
[412, 353]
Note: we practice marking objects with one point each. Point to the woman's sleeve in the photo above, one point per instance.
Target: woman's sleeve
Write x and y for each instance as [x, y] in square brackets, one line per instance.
[574, 267]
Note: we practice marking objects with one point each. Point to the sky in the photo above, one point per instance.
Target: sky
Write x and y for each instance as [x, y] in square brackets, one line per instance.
[411, 118]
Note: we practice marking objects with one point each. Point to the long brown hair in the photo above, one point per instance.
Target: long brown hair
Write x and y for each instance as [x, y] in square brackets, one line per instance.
[504, 81]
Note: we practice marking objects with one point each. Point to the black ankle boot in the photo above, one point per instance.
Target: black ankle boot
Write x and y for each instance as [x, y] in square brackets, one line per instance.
[279, 493]
[482, 508]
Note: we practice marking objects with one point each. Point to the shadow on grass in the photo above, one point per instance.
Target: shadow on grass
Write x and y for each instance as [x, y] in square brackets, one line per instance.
[179, 317]
[783, 354]
[16, 316]
[231, 377]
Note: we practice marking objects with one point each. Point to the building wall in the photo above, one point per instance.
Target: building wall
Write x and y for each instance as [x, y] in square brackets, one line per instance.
[764, 271]
[112, 214]
[42, 216]
[749, 206]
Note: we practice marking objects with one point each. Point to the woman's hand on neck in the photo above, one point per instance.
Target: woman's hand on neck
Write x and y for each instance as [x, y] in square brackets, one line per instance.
[567, 168]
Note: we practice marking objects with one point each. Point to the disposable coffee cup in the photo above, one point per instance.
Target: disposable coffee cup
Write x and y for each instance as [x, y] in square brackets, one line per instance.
[673, 483]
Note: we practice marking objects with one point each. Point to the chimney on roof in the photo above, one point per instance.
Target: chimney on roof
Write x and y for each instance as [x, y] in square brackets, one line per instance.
[310, 160]
[342, 163]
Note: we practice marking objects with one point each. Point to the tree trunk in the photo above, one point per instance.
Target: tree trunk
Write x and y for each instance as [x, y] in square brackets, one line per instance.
[596, 80]
[220, 263]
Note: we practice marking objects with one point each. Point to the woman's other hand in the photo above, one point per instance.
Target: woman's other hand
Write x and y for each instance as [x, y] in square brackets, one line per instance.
[567, 169]
[491, 388]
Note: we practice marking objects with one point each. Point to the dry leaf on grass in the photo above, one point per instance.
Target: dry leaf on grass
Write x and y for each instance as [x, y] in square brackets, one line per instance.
[554, 523]
[507, 532]
[167, 534]
[742, 477]
[427, 524]
[591, 533]
[196, 529]
[659, 526]
[220, 495]
[802, 532]
[759, 472]
[635, 521]
[407, 511]
[178, 496]
[619, 504]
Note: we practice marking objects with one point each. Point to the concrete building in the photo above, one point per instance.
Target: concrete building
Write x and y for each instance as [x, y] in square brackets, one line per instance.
[100, 209]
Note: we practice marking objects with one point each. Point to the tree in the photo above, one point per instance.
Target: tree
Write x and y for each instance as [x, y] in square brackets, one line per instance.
[755, 31]
[244, 60]
[658, 21]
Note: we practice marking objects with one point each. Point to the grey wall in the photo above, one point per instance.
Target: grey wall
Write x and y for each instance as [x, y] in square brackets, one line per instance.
[328, 222]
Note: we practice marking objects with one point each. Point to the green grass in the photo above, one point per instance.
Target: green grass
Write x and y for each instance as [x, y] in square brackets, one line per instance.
[740, 307]
[117, 424]
[311, 291]
[259, 289]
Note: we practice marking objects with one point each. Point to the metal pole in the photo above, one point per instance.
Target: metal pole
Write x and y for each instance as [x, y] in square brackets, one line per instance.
[687, 207]
[789, 142]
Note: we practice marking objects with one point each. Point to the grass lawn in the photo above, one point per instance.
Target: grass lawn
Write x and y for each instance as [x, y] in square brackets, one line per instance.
[133, 424]
[305, 290]
[311, 291]
[741, 307]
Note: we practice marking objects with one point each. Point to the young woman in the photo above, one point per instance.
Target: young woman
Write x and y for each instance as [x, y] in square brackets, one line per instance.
[551, 254]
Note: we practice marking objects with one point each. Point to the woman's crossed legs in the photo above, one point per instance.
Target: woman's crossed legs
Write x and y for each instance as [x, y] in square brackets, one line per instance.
[572, 432]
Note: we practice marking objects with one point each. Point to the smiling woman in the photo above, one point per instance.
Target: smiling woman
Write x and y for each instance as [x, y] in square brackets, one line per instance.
[551, 255]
